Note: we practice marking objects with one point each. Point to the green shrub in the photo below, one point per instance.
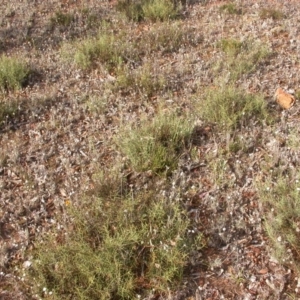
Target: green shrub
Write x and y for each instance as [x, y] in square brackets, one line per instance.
[102, 49]
[230, 107]
[155, 145]
[132, 9]
[292, 138]
[231, 47]
[165, 37]
[117, 246]
[248, 61]
[7, 110]
[13, 73]
[143, 81]
[95, 104]
[116, 49]
[280, 196]
[111, 50]
[241, 57]
[160, 10]
[155, 10]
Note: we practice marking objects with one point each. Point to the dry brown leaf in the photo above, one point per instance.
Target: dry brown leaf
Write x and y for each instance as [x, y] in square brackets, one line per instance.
[263, 271]
[285, 100]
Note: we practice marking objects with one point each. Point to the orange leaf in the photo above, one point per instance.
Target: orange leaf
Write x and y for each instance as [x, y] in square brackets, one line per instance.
[263, 271]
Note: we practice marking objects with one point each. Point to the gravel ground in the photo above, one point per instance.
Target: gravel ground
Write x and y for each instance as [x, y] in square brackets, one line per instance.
[52, 147]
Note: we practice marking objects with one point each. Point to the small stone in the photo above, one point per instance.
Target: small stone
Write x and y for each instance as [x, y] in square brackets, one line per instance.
[27, 264]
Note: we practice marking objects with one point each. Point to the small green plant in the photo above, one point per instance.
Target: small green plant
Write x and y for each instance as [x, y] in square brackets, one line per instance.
[231, 47]
[154, 10]
[143, 81]
[7, 110]
[95, 104]
[13, 73]
[248, 60]
[231, 9]
[297, 94]
[230, 107]
[280, 196]
[219, 171]
[242, 57]
[155, 145]
[236, 145]
[292, 139]
[148, 83]
[102, 49]
[117, 49]
[62, 19]
[165, 37]
[132, 9]
[118, 246]
[267, 13]
[160, 10]
[108, 48]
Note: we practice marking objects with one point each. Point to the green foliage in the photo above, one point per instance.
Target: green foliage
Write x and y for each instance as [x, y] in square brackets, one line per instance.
[155, 10]
[101, 49]
[13, 73]
[143, 81]
[242, 57]
[267, 13]
[165, 37]
[7, 110]
[155, 145]
[118, 246]
[236, 145]
[219, 169]
[132, 9]
[247, 62]
[231, 47]
[281, 200]
[230, 107]
[231, 9]
[292, 139]
[160, 10]
[108, 49]
[297, 94]
[117, 49]
[95, 104]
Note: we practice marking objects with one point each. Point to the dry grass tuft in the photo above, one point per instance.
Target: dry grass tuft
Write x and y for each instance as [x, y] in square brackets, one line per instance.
[275, 14]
